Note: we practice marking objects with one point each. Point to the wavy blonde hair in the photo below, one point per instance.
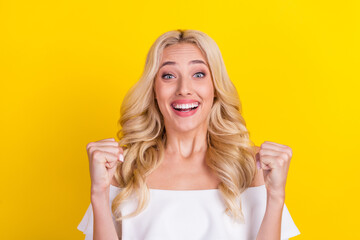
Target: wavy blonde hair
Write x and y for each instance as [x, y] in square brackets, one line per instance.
[230, 153]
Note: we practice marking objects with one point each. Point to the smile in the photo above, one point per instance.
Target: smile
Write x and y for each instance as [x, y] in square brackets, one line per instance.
[185, 109]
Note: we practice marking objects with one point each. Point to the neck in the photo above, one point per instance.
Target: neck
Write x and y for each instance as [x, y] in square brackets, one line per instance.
[186, 145]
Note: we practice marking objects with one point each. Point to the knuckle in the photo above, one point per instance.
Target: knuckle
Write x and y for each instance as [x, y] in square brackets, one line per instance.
[96, 153]
[290, 152]
[284, 156]
[281, 162]
[90, 144]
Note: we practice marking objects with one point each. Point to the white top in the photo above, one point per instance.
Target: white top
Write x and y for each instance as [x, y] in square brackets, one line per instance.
[192, 215]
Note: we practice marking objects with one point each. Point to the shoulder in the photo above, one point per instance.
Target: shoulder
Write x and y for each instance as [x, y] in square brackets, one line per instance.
[259, 177]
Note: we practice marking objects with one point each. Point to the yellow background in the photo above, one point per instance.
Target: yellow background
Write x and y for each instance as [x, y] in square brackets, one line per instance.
[65, 67]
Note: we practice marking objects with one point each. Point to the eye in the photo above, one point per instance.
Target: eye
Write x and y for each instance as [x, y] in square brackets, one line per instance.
[164, 76]
[200, 73]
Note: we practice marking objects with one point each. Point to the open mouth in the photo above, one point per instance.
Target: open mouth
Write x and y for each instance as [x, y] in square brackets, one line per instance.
[185, 107]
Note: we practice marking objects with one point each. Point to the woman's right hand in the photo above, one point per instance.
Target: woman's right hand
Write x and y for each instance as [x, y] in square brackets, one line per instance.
[104, 156]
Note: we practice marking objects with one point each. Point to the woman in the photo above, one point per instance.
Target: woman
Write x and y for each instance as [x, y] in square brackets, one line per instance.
[184, 167]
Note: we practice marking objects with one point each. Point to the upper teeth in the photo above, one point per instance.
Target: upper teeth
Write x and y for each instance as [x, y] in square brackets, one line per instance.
[186, 106]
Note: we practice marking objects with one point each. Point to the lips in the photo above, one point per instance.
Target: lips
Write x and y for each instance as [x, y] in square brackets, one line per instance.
[185, 105]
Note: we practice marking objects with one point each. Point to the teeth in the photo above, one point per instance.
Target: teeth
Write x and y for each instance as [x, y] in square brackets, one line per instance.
[185, 106]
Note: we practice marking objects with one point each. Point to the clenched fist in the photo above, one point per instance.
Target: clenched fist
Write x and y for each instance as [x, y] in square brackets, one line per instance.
[274, 159]
[104, 156]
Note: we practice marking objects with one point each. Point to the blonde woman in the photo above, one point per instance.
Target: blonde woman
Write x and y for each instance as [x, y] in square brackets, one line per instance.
[184, 167]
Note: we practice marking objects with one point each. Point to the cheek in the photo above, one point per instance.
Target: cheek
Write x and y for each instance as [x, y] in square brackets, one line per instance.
[162, 93]
[207, 92]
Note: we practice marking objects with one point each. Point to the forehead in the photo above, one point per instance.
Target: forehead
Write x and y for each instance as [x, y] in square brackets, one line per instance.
[182, 51]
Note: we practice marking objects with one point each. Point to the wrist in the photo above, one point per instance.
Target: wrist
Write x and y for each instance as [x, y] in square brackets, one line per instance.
[276, 198]
[99, 196]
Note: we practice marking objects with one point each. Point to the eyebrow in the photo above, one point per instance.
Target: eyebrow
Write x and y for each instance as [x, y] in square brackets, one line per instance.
[197, 61]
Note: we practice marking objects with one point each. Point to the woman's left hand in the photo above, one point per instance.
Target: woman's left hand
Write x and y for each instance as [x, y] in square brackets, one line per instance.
[275, 161]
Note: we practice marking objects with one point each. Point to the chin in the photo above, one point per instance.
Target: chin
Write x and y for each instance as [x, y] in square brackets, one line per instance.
[181, 127]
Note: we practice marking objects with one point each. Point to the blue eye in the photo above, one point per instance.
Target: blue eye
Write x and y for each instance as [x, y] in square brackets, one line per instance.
[168, 74]
[201, 73]
[164, 76]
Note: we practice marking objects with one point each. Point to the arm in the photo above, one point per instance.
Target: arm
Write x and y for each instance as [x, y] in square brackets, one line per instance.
[103, 224]
[270, 228]
[104, 156]
[274, 161]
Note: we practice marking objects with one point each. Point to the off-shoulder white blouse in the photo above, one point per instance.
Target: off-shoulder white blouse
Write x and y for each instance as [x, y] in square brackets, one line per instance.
[191, 215]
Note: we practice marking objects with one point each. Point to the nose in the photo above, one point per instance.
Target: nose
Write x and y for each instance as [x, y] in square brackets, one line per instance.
[184, 87]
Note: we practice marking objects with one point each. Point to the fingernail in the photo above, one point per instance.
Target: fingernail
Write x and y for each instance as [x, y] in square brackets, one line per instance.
[121, 157]
[258, 164]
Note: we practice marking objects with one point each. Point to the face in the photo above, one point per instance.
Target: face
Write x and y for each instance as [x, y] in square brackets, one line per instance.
[183, 87]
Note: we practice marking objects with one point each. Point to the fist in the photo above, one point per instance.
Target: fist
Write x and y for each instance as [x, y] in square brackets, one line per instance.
[104, 156]
[274, 160]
